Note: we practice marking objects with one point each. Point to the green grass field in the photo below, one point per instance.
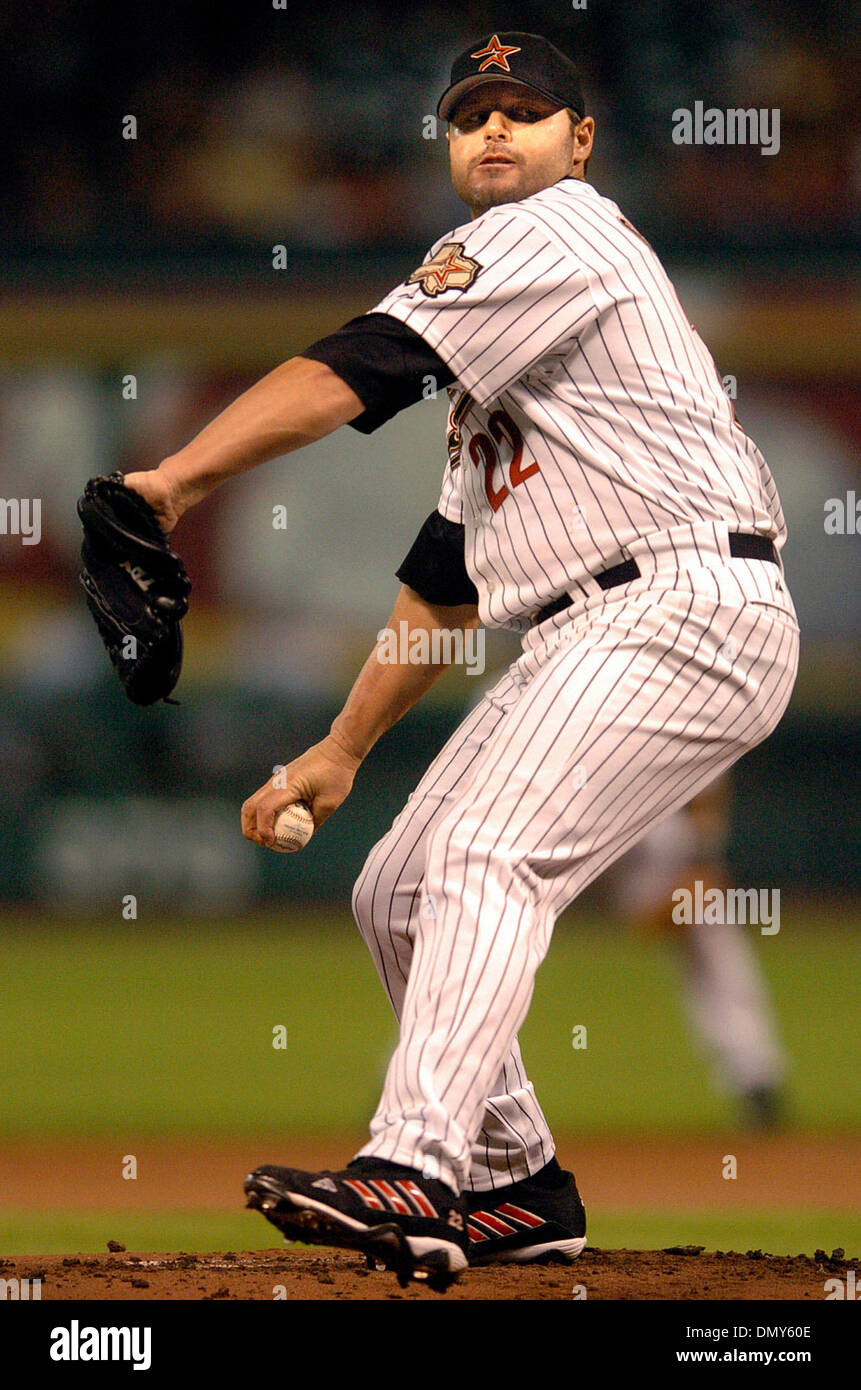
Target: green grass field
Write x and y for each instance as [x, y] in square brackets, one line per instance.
[171, 1029]
[168, 1030]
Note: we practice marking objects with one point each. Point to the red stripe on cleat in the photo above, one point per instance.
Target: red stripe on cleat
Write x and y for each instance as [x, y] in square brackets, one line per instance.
[527, 1217]
[394, 1199]
[425, 1207]
[369, 1198]
[499, 1228]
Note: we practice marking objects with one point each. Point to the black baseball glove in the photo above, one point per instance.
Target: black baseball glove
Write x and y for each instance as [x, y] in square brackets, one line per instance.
[136, 586]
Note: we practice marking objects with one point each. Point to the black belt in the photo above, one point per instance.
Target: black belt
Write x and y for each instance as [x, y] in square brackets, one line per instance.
[742, 546]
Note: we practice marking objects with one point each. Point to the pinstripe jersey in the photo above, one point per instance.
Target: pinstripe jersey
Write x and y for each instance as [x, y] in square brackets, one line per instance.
[588, 414]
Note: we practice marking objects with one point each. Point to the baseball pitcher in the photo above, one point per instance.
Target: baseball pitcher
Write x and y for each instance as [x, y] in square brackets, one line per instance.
[600, 499]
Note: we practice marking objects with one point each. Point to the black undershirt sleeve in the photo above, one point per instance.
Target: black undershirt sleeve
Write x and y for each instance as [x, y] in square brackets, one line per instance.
[435, 566]
[384, 362]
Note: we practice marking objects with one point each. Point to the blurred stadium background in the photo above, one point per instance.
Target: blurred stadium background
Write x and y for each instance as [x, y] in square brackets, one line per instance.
[139, 297]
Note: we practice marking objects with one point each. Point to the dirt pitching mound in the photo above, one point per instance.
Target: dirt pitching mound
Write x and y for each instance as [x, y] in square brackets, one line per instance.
[682, 1273]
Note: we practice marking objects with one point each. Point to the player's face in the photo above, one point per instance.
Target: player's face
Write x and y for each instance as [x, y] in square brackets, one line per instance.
[506, 142]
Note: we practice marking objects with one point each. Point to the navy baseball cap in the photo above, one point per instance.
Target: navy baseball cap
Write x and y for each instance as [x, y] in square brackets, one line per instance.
[527, 59]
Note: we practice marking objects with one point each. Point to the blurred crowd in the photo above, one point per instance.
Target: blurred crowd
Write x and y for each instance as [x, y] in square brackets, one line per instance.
[306, 124]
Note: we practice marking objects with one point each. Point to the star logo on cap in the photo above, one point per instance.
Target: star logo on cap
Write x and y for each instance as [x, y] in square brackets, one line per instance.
[449, 269]
[495, 53]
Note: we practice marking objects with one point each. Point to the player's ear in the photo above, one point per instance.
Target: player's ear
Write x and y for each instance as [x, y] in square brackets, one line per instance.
[584, 133]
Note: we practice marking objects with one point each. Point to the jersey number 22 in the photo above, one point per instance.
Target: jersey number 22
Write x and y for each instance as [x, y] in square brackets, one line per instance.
[484, 451]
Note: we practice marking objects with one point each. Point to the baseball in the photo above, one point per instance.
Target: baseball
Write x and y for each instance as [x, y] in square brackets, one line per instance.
[294, 827]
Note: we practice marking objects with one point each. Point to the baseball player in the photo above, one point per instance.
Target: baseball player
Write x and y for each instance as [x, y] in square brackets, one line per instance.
[599, 498]
[724, 992]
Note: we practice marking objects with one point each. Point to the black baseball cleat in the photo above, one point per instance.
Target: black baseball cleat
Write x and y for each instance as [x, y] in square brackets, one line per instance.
[400, 1219]
[540, 1220]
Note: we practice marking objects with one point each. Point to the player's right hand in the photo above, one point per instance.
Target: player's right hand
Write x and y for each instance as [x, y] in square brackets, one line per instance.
[322, 778]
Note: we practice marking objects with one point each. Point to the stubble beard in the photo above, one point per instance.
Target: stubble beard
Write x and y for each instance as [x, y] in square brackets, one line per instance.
[491, 197]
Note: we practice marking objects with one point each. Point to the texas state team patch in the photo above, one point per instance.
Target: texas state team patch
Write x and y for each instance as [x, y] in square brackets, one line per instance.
[449, 269]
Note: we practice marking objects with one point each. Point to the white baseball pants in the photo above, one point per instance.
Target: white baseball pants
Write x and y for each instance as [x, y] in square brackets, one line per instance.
[619, 710]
